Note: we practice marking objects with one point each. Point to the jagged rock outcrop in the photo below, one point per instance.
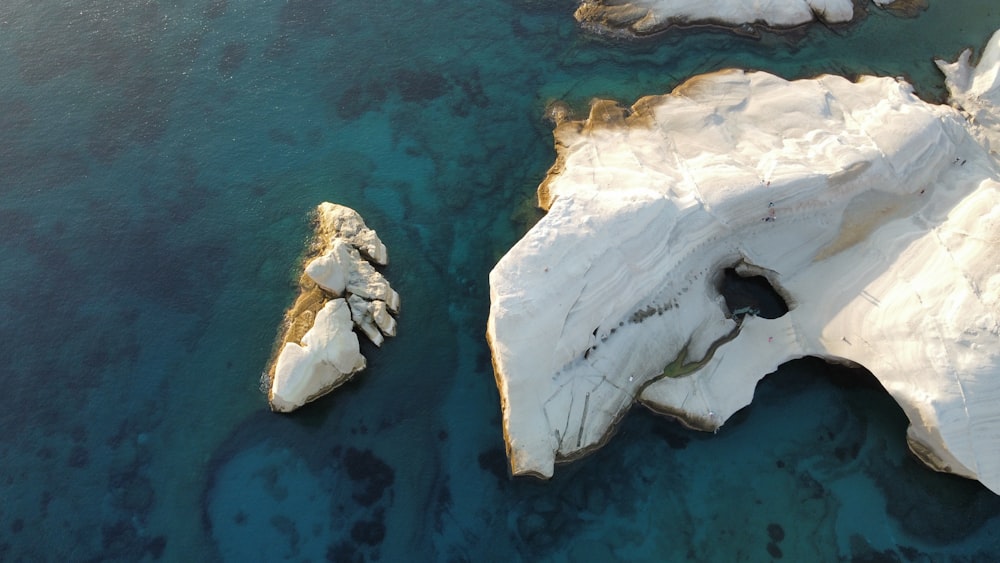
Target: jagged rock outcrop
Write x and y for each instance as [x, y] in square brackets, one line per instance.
[339, 290]
[976, 91]
[644, 17]
[875, 215]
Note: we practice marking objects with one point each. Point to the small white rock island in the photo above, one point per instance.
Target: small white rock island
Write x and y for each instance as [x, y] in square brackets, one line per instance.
[644, 17]
[875, 216]
[340, 290]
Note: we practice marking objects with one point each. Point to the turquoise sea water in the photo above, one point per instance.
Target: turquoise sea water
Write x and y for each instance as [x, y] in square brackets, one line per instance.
[158, 161]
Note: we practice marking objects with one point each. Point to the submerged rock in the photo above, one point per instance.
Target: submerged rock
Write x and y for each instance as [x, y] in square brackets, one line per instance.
[340, 290]
[873, 214]
[643, 17]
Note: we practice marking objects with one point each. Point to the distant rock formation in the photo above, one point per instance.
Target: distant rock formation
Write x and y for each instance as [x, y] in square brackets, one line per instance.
[339, 290]
[645, 17]
[874, 215]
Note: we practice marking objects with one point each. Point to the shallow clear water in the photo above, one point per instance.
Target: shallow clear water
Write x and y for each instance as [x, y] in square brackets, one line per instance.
[157, 164]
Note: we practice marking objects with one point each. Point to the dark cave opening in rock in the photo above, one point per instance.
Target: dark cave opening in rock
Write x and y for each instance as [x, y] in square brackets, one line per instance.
[750, 295]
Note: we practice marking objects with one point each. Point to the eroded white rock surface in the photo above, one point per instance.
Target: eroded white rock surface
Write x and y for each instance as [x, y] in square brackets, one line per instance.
[874, 214]
[976, 89]
[340, 291]
[642, 17]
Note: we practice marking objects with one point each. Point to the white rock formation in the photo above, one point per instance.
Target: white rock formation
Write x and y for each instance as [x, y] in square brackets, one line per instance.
[642, 17]
[977, 91]
[339, 222]
[874, 214]
[342, 270]
[327, 357]
[340, 290]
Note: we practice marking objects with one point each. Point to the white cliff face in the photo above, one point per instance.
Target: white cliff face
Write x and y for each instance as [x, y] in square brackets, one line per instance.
[642, 17]
[340, 290]
[874, 214]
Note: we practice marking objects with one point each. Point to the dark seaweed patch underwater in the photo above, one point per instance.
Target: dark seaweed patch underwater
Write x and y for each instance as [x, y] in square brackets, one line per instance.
[158, 161]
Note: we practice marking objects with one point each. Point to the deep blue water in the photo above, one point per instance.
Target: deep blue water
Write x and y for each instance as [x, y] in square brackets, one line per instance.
[158, 161]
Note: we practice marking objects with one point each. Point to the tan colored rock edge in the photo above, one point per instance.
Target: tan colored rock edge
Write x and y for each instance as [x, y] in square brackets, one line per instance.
[646, 17]
[874, 214]
[339, 291]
